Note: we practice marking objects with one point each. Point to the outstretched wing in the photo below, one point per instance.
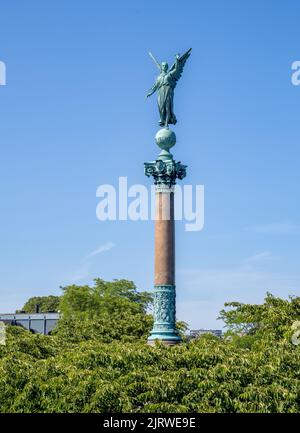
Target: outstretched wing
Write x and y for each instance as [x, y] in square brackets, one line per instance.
[177, 67]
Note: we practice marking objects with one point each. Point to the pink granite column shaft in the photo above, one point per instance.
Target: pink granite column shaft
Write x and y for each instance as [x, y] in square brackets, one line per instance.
[164, 272]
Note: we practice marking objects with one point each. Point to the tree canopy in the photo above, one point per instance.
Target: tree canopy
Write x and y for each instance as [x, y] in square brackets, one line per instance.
[46, 304]
[107, 311]
[98, 359]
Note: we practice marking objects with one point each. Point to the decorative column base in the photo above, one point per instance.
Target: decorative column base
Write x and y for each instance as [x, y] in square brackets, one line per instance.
[164, 329]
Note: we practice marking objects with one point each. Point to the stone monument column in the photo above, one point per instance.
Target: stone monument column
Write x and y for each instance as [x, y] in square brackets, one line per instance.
[165, 171]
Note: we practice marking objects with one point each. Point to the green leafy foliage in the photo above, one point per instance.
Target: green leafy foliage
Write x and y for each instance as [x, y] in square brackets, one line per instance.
[47, 304]
[107, 311]
[257, 371]
[269, 321]
[106, 297]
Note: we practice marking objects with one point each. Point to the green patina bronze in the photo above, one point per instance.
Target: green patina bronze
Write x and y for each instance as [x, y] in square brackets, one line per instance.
[165, 172]
[165, 85]
[164, 328]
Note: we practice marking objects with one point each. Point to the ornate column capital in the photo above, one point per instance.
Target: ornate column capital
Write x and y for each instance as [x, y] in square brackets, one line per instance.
[165, 172]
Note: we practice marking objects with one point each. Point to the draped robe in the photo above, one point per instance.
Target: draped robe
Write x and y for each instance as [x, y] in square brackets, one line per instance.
[165, 85]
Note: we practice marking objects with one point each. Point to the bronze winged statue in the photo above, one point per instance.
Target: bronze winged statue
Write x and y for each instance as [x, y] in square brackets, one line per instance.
[165, 85]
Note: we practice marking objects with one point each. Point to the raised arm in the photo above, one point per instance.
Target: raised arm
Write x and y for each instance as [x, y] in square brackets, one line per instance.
[177, 67]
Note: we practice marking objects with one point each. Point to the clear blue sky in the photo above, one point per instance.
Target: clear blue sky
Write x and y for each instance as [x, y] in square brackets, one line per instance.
[73, 116]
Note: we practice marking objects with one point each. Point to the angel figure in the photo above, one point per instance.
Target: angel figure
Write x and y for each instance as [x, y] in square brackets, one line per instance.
[165, 85]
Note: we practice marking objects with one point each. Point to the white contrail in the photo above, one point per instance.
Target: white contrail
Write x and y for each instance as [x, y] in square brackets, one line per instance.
[104, 247]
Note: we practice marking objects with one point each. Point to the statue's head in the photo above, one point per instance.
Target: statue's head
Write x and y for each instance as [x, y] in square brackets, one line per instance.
[164, 67]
